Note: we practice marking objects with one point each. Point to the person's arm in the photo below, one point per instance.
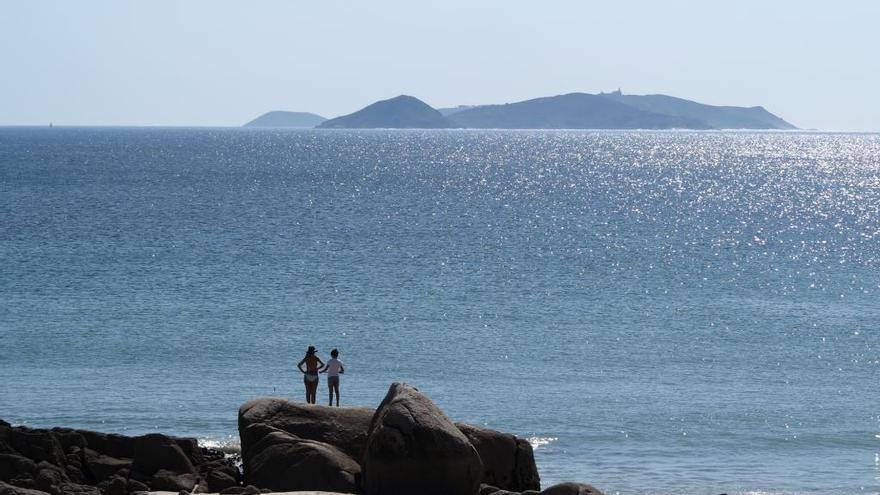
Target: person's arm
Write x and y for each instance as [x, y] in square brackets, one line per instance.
[300, 365]
[341, 368]
[321, 364]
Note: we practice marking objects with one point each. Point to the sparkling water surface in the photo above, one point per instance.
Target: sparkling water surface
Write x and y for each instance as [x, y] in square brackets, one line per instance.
[659, 312]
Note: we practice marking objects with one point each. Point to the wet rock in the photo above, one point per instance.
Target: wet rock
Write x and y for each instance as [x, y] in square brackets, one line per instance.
[281, 461]
[508, 461]
[103, 466]
[154, 452]
[69, 438]
[219, 480]
[14, 465]
[50, 478]
[412, 447]
[39, 445]
[344, 428]
[170, 481]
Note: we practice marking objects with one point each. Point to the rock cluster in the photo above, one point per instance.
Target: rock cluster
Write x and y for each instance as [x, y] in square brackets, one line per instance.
[405, 446]
[66, 461]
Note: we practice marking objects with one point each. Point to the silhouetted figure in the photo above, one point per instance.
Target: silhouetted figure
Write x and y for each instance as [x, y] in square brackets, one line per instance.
[333, 368]
[310, 374]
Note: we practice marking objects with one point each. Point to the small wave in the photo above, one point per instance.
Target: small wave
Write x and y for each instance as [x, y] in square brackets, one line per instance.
[540, 441]
[228, 445]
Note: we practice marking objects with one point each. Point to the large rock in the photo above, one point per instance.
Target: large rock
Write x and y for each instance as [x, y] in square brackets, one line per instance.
[14, 465]
[508, 461]
[571, 488]
[344, 428]
[165, 480]
[412, 447]
[154, 452]
[39, 445]
[6, 489]
[281, 461]
[219, 480]
[102, 466]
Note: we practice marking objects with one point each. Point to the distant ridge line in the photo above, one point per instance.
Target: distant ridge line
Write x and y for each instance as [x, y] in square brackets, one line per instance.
[613, 110]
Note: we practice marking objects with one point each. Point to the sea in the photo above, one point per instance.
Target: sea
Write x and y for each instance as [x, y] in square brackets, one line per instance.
[657, 312]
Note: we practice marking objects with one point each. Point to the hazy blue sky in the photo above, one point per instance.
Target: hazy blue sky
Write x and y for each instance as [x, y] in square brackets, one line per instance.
[212, 62]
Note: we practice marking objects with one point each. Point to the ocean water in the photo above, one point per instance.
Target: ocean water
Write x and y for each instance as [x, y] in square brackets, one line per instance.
[658, 312]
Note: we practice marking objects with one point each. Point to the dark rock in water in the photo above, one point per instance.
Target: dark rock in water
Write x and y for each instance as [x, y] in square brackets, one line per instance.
[170, 481]
[102, 466]
[154, 452]
[14, 465]
[39, 445]
[69, 438]
[508, 461]
[219, 480]
[412, 447]
[190, 447]
[110, 444]
[284, 462]
[344, 428]
[6, 489]
[571, 488]
[52, 479]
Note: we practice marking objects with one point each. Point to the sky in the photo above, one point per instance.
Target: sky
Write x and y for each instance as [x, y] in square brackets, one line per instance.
[222, 63]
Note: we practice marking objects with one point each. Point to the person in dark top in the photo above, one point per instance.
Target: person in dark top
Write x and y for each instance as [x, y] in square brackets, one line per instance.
[310, 374]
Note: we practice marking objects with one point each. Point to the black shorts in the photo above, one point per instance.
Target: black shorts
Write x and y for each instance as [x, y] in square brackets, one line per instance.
[332, 381]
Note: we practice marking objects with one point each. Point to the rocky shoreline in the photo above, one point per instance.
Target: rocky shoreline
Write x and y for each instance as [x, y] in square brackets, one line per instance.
[405, 446]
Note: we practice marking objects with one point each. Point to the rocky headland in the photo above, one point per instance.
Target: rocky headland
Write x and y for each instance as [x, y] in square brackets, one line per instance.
[405, 446]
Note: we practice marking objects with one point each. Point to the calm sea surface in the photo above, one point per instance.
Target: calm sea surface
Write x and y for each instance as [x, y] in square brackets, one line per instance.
[658, 312]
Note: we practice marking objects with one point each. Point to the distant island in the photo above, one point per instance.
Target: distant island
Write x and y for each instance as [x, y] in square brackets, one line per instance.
[613, 110]
[402, 112]
[286, 119]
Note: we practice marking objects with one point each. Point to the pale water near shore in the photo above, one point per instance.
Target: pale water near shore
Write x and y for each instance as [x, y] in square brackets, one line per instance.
[659, 312]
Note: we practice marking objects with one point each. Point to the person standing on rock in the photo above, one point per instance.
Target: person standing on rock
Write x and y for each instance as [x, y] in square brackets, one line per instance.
[310, 374]
[333, 368]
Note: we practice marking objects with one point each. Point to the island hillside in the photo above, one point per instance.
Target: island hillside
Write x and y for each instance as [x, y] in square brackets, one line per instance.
[571, 111]
[715, 117]
[399, 112]
[286, 119]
